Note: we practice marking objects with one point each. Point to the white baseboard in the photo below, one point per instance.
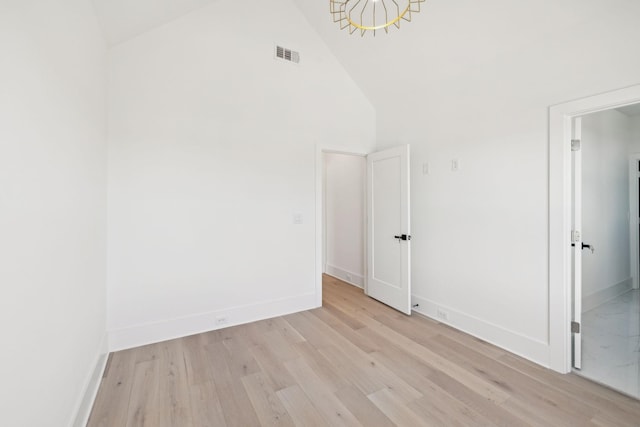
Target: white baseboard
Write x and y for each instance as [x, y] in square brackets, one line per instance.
[149, 333]
[592, 301]
[92, 384]
[344, 275]
[527, 347]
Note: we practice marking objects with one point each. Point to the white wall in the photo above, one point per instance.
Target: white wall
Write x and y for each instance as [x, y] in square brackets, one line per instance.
[474, 81]
[345, 177]
[481, 234]
[212, 147]
[606, 142]
[52, 209]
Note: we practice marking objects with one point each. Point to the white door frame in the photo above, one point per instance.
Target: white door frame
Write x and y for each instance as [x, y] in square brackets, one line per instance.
[320, 214]
[634, 226]
[560, 214]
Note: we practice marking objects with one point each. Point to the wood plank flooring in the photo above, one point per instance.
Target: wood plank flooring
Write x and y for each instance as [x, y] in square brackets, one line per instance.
[353, 362]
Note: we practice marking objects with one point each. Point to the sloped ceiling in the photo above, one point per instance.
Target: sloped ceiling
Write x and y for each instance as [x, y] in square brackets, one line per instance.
[450, 38]
[449, 41]
[456, 56]
[124, 19]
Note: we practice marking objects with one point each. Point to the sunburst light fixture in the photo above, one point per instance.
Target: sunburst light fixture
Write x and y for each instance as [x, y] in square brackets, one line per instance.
[372, 15]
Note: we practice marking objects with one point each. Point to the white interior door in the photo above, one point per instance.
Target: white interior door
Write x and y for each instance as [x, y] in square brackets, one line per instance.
[389, 232]
[576, 241]
[634, 217]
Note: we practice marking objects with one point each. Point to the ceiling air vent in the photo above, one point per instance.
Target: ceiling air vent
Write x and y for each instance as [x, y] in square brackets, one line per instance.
[287, 54]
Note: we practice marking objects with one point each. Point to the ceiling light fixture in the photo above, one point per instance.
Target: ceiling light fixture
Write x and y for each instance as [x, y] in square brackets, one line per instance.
[372, 15]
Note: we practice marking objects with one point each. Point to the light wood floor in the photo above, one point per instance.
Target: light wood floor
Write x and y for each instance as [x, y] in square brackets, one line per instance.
[352, 362]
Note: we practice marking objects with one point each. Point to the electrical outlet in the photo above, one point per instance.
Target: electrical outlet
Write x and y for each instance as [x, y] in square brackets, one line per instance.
[455, 165]
[222, 320]
[441, 314]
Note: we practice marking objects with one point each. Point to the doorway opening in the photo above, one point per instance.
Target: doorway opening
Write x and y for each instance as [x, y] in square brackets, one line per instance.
[594, 171]
[320, 214]
[606, 306]
[344, 226]
[363, 228]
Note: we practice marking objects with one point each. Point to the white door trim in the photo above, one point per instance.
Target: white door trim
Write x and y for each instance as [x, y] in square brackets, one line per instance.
[320, 213]
[634, 228]
[560, 214]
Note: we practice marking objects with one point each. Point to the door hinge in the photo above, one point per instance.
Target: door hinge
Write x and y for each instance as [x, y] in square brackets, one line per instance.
[575, 236]
[575, 145]
[575, 327]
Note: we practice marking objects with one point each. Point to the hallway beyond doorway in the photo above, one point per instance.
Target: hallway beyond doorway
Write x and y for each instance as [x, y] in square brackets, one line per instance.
[611, 343]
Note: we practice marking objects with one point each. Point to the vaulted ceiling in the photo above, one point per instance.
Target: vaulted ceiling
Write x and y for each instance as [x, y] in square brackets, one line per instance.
[124, 19]
[454, 39]
[491, 48]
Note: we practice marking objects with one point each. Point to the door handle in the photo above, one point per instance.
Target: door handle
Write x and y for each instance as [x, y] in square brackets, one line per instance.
[590, 247]
[403, 237]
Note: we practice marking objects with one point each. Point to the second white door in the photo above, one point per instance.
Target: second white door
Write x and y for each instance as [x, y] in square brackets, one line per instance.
[576, 241]
[389, 228]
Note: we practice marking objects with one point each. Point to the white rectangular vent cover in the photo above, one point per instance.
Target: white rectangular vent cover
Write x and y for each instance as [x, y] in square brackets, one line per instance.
[287, 54]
